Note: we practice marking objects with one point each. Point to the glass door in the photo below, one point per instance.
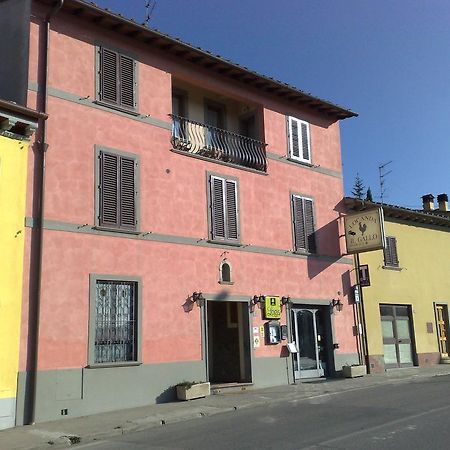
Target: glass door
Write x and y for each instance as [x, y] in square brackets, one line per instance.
[397, 341]
[307, 363]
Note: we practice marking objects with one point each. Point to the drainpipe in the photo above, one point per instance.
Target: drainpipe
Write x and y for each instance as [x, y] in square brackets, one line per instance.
[35, 295]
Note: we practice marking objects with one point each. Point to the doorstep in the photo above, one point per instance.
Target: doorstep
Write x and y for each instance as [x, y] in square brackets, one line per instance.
[221, 388]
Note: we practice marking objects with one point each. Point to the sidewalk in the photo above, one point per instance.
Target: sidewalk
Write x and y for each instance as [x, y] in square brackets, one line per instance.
[63, 433]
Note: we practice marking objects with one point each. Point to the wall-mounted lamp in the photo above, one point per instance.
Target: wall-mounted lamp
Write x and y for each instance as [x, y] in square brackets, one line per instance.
[258, 299]
[198, 298]
[285, 300]
[337, 304]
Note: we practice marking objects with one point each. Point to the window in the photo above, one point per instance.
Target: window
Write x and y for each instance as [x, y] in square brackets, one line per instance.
[299, 140]
[225, 272]
[224, 219]
[390, 252]
[179, 112]
[117, 79]
[303, 219]
[117, 194]
[114, 320]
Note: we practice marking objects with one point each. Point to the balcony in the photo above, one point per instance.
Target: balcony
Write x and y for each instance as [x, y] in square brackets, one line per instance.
[214, 143]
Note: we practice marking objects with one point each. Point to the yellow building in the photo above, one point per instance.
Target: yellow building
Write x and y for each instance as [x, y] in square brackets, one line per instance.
[406, 305]
[16, 126]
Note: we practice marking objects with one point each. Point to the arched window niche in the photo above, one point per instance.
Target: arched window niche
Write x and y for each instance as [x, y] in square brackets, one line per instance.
[225, 272]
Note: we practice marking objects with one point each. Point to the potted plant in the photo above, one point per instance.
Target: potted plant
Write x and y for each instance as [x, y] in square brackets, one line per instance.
[354, 370]
[188, 390]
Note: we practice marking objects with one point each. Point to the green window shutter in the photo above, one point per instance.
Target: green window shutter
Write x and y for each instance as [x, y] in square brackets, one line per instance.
[232, 213]
[217, 208]
[294, 142]
[299, 224]
[299, 140]
[127, 193]
[127, 82]
[303, 218]
[224, 209]
[305, 141]
[109, 76]
[117, 191]
[309, 225]
[109, 195]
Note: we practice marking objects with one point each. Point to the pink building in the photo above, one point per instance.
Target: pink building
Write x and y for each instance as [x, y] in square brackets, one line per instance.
[182, 192]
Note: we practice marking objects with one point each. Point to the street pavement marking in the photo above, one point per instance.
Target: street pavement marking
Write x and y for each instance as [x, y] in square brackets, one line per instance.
[379, 427]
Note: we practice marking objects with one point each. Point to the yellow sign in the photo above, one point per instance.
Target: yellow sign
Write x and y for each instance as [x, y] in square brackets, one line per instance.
[364, 231]
[272, 307]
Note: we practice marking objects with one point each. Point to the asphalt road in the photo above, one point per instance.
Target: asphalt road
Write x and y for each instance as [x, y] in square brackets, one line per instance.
[413, 414]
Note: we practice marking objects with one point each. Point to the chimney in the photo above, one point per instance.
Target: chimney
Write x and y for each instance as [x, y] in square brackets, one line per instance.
[428, 202]
[442, 202]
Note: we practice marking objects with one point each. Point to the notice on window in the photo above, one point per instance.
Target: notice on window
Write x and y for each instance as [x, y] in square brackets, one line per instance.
[272, 307]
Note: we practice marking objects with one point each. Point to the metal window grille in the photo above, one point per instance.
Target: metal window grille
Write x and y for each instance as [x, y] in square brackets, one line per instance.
[115, 321]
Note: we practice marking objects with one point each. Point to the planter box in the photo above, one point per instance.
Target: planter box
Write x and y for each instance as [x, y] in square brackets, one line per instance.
[194, 391]
[353, 371]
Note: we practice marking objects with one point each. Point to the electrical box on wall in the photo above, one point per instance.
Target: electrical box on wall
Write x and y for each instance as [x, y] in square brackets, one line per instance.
[272, 332]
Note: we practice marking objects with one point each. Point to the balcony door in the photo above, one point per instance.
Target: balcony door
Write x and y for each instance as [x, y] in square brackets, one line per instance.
[397, 335]
[215, 119]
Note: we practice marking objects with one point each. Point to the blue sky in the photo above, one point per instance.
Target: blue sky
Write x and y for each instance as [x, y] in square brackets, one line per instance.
[387, 60]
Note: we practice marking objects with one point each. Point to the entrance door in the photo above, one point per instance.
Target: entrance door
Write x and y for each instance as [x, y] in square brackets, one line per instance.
[308, 333]
[397, 342]
[442, 328]
[229, 359]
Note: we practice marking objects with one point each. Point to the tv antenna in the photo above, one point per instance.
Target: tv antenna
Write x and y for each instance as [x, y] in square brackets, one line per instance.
[149, 7]
[383, 174]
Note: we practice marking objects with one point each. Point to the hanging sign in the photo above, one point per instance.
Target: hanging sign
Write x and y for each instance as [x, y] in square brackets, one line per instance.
[364, 277]
[364, 231]
[272, 307]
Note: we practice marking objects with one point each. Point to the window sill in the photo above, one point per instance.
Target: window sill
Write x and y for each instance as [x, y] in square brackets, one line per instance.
[394, 268]
[302, 163]
[113, 365]
[116, 230]
[303, 253]
[232, 244]
[132, 112]
[229, 283]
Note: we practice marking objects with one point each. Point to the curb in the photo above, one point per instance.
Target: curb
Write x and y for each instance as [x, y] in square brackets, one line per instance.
[149, 421]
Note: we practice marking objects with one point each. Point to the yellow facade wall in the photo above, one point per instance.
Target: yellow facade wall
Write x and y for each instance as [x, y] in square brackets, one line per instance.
[13, 163]
[424, 278]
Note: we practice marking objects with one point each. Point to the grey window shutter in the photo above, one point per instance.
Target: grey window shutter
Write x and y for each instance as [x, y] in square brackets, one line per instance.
[127, 82]
[294, 137]
[390, 252]
[305, 141]
[232, 214]
[127, 193]
[109, 194]
[299, 224]
[304, 233]
[309, 225]
[217, 208]
[109, 76]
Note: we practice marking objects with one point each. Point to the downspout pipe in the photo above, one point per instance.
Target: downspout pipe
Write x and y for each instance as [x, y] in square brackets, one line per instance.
[42, 101]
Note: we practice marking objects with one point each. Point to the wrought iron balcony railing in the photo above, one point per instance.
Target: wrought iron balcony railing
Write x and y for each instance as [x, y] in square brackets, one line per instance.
[204, 140]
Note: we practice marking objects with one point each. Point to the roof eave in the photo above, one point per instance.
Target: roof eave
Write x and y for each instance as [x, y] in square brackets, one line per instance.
[204, 58]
